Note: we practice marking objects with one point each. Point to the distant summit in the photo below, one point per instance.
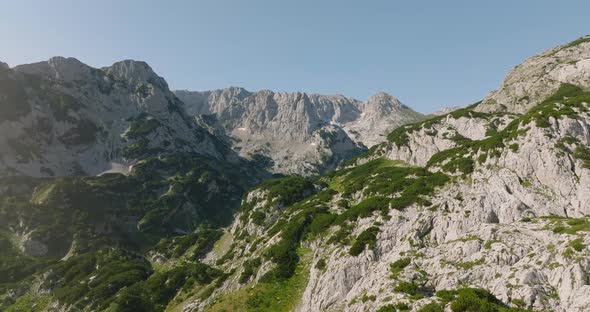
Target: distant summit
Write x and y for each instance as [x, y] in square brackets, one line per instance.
[299, 133]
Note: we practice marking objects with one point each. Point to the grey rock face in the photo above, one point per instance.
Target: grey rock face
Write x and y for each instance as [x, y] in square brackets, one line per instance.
[298, 133]
[527, 84]
[478, 238]
[62, 118]
[379, 115]
[33, 247]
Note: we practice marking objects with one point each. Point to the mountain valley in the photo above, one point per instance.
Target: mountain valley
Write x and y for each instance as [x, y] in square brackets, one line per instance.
[118, 194]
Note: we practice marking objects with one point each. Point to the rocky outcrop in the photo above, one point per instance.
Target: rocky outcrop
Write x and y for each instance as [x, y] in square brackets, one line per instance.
[380, 115]
[63, 118]
[33, 246]
[416, 144]
[529, 83]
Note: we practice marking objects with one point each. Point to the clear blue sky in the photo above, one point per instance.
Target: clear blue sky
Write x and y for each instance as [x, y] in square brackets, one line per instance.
[429, 54]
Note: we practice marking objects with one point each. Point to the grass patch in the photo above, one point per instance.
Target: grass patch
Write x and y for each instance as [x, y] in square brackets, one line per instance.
[275, 296]
[367, 238]
[413, 289]
[583, 153]
[399, 265]
[29, 302]
[288, 190]
[570, 226]
[577, 244]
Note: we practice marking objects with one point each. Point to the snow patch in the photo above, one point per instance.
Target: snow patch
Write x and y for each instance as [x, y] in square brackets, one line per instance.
[117, 168]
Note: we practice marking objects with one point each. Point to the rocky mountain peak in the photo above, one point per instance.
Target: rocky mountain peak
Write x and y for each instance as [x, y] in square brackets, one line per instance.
[383, 103]
[87, 119]
[237, 92]
[4, 65]
[135, 72]
[58, 68]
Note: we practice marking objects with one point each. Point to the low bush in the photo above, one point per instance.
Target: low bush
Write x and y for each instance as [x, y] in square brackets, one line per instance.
[366, 238]
[432, 307]
[250, 268]
[399, 265]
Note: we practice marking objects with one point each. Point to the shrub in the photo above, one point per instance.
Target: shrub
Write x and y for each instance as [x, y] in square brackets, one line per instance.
[288, 190]
[250, 268]
[409, 288]
[366, 238]
[461, 164]
[432, 307]
[473, 299]
[413, 289]
[161, 287]
[387, 308]
[399, 136]
[577, 244]
[365, 208]
[321, 264]
[112, 271]
[583, 153]
[341, 236]
[366, 298]
[564, 90]
[202, 241]
[402, 306]
[446, 295]
[284, 255]
[519, 303]
[142, 127]
[399, 265]
[321, 222]
[258, 217]
[570, 99]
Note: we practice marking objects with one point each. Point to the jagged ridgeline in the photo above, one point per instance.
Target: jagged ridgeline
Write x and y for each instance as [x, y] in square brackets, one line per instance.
[481, 209]
[297, 133]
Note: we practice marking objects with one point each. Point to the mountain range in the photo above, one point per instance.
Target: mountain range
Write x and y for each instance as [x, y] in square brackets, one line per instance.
[297, 133]
[118, 194]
